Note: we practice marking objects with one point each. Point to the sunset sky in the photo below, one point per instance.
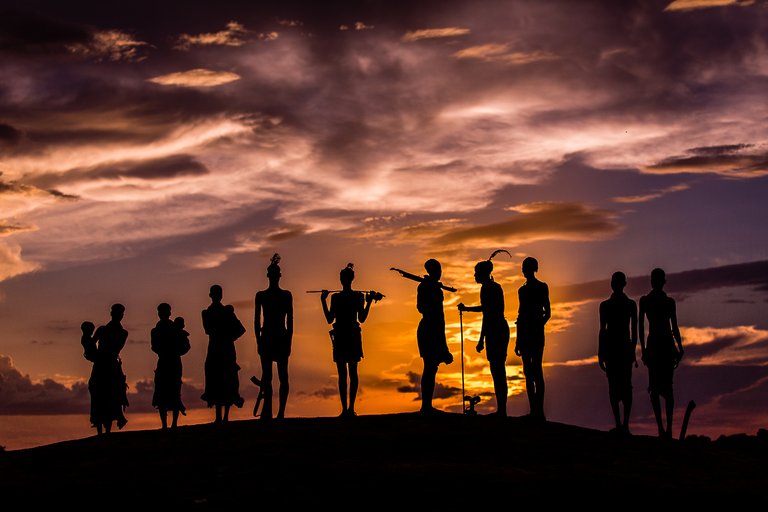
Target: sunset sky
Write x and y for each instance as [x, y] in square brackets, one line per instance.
[149, 150]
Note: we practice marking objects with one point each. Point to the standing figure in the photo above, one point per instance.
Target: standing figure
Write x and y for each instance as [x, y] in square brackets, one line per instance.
[222, 384]
[107, 384]
[617, 346]
[532, 315]
[273, 324]
[169, 342]
[349, 309]
[663, 349]
[430, 335]
[494, 333]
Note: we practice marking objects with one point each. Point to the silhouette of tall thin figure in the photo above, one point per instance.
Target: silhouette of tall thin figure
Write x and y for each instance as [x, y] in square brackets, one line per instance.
[348, 309]
[617, 347]
[168, 341]
[222, 384]
[107, 384]
[532, 315]
[430, 334]
[663, 349]
[273, 324]
[494, 333]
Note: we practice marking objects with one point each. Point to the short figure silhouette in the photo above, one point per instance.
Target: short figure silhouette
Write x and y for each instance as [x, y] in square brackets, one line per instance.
[663, 349]
[222, 384]
[533, 314]
[430, 334]
[169, 341]
[617, 345]
[107, 385]
[348, 309]
[494, 333]
[273, 324]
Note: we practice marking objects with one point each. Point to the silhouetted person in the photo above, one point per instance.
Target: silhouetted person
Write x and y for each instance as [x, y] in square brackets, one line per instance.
[430, 335]
[532, 315]
[349, 309]
[273, 324]
[617, 348]
[663, 349]
[107, 384]
[494, 333]
[222, 384]
[169, 341]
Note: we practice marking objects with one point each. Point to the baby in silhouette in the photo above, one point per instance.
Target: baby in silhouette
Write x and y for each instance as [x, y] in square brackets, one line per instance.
[86, 340]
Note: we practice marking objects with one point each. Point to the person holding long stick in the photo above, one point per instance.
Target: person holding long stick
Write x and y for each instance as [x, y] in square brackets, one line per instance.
[494, 333]
[430, 335]
[349, 308]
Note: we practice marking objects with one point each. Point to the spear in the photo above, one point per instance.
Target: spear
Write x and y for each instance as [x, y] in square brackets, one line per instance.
[419, 279]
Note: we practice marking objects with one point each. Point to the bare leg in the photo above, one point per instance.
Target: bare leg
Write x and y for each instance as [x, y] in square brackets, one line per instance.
[499, 374]
[266, 386]
[164, 418]
[657, 412]
[108, 427]
[354, 382]
[226, 413]
[342, 369]
[175, 420]
[218, 414]
[670, 403]
[428, 377]
[627, 411]
[616, 411]
[282, 374]
[99, 429]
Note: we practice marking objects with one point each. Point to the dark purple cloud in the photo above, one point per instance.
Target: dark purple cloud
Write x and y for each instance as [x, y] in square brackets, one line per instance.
[414, 386]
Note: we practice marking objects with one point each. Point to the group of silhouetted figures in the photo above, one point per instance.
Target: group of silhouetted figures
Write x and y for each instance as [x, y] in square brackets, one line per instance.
[348, 309]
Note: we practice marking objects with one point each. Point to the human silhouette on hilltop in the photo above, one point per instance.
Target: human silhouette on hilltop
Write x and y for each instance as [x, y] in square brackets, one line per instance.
[222, 384]
[273, 324]
[494, 333]
[169, 342]
[430, 334]
[107, 385]
[663, 349]
[348, 309]
[617, 346]
[533, 314]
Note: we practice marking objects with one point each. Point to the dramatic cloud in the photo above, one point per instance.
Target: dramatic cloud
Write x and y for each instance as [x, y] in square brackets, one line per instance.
[650, 196]
[196, 78]
[111, 45]
[233, 35]
[687, 5]
[434, 33]
[504, 53]
[11, 261]
[541, 221]
[738, 160]
[414, 386]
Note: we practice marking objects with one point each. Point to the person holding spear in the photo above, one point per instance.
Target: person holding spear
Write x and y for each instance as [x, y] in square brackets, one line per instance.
[349, 308]
[430, 334]
[494, 333]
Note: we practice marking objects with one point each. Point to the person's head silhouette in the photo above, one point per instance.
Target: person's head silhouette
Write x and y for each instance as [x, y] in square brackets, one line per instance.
[658, 279]
[483, 271]
[530, 267]
[433, 268]
[216, 293]
[164, 310]
[117, 311]
[273, 270]
[347, 275]
[618, 281]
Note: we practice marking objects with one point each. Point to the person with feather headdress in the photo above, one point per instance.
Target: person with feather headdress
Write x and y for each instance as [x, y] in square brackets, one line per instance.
[494, 333]
[273, 324]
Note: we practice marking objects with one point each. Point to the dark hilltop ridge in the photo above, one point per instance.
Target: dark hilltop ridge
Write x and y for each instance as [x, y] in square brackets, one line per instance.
[403, 460]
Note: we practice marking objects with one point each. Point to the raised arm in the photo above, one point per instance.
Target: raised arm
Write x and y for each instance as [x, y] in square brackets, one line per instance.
[329, 314]
[362, 314]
